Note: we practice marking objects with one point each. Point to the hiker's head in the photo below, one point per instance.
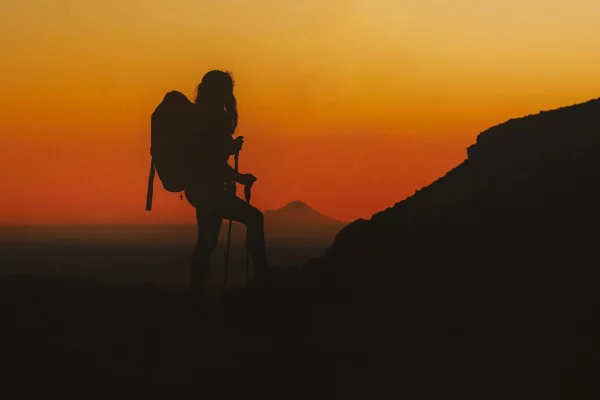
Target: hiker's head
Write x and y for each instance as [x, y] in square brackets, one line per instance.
[215, 94]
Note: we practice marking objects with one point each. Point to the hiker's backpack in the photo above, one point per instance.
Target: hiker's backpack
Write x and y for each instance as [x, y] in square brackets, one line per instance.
[172, 126]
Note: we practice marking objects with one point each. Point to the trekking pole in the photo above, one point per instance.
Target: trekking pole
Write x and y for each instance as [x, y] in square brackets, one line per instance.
[236, 167]
[247, 194]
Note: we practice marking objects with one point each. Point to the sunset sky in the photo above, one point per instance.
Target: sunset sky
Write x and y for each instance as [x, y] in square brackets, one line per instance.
[348, 105]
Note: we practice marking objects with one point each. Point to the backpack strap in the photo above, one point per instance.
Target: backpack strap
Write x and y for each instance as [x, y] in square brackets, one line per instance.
[150, 187]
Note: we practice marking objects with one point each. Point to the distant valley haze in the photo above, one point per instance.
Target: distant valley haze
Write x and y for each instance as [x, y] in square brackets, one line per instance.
[295, 222]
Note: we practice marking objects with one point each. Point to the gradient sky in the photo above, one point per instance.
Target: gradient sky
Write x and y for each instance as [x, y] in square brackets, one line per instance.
[349, 105]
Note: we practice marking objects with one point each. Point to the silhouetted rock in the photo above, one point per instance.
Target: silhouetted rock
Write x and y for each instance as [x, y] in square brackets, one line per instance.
[498, 258]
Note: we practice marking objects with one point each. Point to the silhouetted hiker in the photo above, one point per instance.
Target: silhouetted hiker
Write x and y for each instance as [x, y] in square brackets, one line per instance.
[191, 146]
[210, 191]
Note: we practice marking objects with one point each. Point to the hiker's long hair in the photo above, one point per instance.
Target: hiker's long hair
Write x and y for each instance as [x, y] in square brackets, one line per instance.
[214, 95]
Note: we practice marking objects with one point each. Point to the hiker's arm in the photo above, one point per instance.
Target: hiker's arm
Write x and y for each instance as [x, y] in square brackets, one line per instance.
[235, 146]
[230, 145]
[244, 179]
[230, 174]
[224, 134]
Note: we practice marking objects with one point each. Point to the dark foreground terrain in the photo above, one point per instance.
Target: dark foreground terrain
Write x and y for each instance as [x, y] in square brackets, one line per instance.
[167, 265]
[482, 285]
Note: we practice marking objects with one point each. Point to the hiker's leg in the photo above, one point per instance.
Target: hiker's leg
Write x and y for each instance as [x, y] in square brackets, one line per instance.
[238, 210]
[208, 236]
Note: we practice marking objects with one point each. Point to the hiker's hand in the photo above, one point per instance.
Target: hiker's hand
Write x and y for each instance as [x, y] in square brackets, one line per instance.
[238, 142]
[247, 179]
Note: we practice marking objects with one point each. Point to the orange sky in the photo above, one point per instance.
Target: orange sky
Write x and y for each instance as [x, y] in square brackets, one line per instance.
[348, 105]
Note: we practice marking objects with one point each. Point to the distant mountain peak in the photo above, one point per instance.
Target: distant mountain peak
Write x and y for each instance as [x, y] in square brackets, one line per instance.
[300, 212]
[296, 206]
